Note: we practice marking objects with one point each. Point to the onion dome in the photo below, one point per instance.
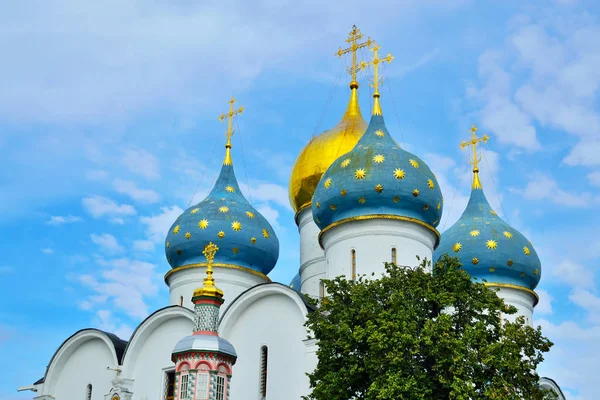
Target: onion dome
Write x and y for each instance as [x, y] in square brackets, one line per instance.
[244, 236]
[377, 179]
[487, 247]
[322, 150]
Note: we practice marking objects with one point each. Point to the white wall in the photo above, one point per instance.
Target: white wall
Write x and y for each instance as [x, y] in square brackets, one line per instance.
[373, 241]
[271, 315]
[231, 281]
[312, 257]
[522, 300]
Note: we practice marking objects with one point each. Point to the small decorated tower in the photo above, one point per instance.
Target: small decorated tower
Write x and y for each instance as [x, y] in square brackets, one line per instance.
[492, 251]
[203, 360]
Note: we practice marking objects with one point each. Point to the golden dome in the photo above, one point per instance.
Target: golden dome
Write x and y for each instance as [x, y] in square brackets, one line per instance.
[323, 150]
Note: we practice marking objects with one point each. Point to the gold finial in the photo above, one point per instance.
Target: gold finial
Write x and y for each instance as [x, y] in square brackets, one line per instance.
[377, 80]
[209, 288]
[230, 129]
[352, 40]
[473, 142]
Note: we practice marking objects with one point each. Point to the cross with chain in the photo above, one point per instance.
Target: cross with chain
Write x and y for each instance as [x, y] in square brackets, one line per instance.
[230, 130]
[377, 80]
[473, 142]
[353, 38]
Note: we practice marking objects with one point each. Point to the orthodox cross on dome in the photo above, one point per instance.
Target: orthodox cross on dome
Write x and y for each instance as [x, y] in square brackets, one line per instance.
[209, 253]
[354, 36]
[377, 80]
[473, 142]
[230, 129]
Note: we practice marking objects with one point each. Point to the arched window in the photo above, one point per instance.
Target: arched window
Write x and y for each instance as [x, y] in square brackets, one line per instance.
[264, 353]
[88, 393]
[394, 258]
[181, 300]
[183, 386]
[353, 255]
[202, 385]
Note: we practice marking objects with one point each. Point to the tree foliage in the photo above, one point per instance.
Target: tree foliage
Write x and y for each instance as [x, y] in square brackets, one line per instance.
[419, 335]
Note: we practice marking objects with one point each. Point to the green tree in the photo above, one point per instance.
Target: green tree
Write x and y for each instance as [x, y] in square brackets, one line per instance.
[419, 335]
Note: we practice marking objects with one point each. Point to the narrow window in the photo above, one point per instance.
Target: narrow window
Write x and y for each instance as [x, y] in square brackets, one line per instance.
[183, 392]
[202, 386]
[321, 289]
[264, 353]
[220, 388]
[393, 255]
[88, 395]
[181, 300]
[169, 385]
[353, 254]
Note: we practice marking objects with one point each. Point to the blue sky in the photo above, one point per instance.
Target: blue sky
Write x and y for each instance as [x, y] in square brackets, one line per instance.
[108, 129]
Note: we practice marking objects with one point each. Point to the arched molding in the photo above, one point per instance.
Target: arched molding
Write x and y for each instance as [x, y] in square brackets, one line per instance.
[199, 365]
[145, 330]
[250, 296]
[226, 368]
[184, 366]
[68, 347]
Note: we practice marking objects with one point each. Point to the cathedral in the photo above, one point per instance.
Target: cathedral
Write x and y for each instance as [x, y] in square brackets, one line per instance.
[229, 332]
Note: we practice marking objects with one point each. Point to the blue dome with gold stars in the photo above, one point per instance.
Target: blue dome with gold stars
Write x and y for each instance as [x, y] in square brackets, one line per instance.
[226, 218]
[378, 179]
[489, 248]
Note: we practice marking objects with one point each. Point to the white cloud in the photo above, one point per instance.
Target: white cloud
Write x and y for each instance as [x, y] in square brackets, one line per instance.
[47, 251]
[157, 226]
[594, 178]
[574, 274]
[143, 245]
[542, 187]
[586, 152]
[106, 321]
[99, 206]
[58, 220]
[96, 175]
[141, 162]
[130, 189]
[5, 269]
[271, 215]
[107, 242]
[267, 192]
[125, 283]
[117, 221]
[544, 307]
[588, 301]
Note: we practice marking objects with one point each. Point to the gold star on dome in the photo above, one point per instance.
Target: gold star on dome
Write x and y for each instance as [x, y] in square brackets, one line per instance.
[360, 173]
[343, 192]
[508, 234]
[168, 245]
[379, 158]
[203, 224]
[230, 189]
[195, 210]
[435, 222]
[362, 200]
[414, 163]
[224, 209]
[179, 252]
[439, 206]
[188, 235]
[235, 250]
[379, 188]
[265, 233]
[416, 193]
[430, 184]
[456, 247]
[345, 163]
[250, 214]
[253, 240]
[491, 244]
[510, 262]
[399, 173]
[318, 205]
[474, 233]
[526, 250]
[327, 183]
[396, 199]
[221, 234]
[475, 261]
[380, 133]
[522, 274]
[493, 212]
[176, 230]
[536, 272]
[426, 207]
[492, 269]
[223, 199]
[236, 226]
[333, 207]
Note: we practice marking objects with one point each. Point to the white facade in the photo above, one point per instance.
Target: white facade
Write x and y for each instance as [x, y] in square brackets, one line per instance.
[312, 257]
[364, 246]
[522, 300]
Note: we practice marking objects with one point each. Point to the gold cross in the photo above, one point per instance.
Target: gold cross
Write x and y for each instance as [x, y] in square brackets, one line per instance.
[473, 142]
[377, 80]
[230, 129]
[117, 370]
[353, 38]
[209, 253]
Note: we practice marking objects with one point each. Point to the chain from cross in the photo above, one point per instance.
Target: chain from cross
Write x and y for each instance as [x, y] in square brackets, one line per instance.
[473, 142]
[352, 40]
[209, 253]
[377, 80]
[230, 116]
